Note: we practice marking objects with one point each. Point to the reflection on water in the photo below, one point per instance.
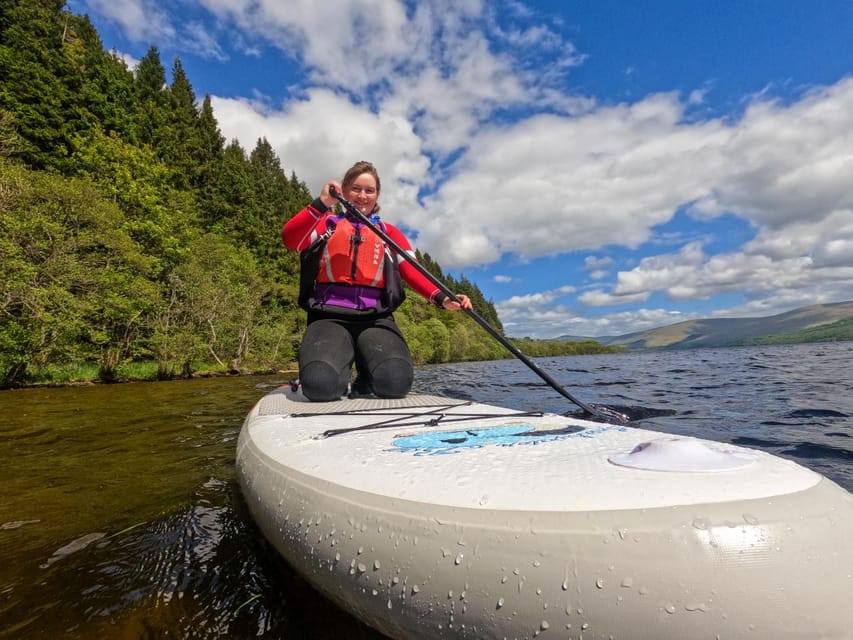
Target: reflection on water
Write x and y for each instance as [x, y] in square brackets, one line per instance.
[121, 518]
[120, 515]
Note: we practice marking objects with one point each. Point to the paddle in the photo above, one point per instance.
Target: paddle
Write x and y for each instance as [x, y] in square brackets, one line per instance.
[605, 414]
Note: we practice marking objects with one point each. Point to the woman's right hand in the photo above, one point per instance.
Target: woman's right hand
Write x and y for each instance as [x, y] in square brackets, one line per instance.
[326, 195]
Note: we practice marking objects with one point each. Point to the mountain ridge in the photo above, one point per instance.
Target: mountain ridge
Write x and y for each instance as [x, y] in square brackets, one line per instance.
[813, 323]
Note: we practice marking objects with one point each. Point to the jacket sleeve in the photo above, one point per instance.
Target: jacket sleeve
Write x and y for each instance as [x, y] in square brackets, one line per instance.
[306, 226]
[410, 274]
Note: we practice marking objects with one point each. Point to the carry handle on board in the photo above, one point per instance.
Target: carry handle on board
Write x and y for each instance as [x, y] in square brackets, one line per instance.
[605, 414]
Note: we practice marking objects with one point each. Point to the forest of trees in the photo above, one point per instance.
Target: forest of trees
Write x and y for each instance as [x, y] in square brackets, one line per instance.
[132, 231]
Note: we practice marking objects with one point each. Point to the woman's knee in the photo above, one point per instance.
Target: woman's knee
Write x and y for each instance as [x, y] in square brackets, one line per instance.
[392, 378]
[321, 382]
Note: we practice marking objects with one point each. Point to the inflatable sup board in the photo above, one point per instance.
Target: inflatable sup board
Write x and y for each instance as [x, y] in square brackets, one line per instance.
[431, 517]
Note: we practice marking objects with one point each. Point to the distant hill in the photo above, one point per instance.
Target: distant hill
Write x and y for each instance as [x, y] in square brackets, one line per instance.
[816, 323]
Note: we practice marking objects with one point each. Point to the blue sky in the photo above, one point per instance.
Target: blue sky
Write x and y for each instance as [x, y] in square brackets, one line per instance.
[597, 167]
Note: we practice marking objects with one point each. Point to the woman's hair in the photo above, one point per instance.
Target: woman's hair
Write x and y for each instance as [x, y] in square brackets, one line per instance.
[362, 166]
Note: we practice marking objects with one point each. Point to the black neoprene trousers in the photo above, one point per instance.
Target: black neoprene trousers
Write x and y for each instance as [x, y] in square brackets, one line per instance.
[378, 349]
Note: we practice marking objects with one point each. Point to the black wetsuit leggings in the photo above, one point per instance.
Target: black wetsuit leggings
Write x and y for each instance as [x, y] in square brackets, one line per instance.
[378, 349]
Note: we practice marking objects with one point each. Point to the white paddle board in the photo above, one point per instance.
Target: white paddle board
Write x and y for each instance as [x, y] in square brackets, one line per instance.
[429, 517]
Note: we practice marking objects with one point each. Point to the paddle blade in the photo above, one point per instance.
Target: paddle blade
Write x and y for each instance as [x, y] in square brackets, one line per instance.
[620, 414]
[609, 415]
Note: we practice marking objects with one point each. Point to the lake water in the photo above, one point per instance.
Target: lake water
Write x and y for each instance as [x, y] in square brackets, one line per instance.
[121, 518]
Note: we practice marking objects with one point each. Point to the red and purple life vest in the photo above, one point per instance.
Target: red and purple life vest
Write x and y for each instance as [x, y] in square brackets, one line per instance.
[349, 270]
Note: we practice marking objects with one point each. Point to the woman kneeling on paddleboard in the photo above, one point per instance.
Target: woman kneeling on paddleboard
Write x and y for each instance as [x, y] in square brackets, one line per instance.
[351, 283]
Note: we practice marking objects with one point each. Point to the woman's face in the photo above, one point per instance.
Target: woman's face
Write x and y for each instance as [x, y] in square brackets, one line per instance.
[362, 193]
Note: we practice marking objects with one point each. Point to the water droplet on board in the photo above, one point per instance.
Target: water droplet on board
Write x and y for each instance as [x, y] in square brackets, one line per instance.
[701, 523]
[627, 582]
[458, 559]
[415, 589]
[669, 608]
[500, 603]
[376, 565]
[544, 625]
[599, 583]
[361, 567]
[750, 519]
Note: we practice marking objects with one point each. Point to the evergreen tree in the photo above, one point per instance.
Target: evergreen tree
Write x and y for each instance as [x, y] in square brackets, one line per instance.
[34, 71]
[181, 146]
[261, 219]
[211, 154]
[106, 94]
[152, 99]
[230, 192]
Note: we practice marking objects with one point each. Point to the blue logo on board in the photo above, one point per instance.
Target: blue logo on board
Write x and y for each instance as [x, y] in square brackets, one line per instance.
[441, 442]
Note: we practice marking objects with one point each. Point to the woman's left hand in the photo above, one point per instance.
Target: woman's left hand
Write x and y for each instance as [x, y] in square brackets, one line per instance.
[451, 305]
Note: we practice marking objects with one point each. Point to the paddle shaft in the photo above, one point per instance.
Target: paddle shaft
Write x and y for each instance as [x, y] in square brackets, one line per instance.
[353, 210]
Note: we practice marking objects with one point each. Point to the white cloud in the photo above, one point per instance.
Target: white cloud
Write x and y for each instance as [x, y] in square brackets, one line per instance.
[202, 42]
[349, 44]
[594, 263]
[148, 21]
[129, 61]
[140, 19]
[320, 136]
[539, 315]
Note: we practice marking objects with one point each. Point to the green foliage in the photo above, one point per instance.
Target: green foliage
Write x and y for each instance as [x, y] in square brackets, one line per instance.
[215, 303]
[131, 235]
[11, 142]
[552, 348]
[66, 268]
[159, 217]
[839, 331]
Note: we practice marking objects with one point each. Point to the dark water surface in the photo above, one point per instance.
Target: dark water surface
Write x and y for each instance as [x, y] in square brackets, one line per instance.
[120, 516]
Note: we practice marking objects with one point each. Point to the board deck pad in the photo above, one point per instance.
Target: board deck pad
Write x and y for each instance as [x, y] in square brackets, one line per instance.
[284, 402]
